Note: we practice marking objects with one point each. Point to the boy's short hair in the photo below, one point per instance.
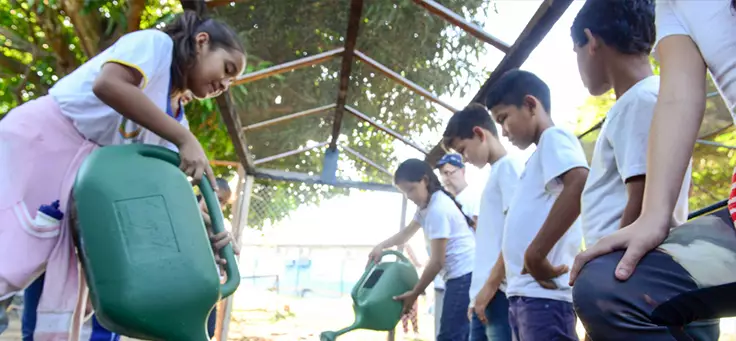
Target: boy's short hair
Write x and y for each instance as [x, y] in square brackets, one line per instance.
[514, 86]
[222, 184]
[626, 25]
[462, 123]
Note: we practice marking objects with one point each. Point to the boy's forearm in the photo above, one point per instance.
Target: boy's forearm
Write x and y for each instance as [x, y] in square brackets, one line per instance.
[632, 210]
[498, 273]
[562, 215]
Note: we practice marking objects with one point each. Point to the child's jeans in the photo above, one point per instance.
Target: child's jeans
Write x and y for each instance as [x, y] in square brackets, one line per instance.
[32, 295]
[497, 314]
[454, 324]
[536, 319]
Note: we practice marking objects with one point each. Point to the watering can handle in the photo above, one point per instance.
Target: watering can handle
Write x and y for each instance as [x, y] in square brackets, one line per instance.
[213, 206]
[371, 265]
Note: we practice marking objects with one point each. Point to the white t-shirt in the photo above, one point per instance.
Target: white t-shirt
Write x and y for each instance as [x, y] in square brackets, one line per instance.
[711, 25]
[129, 132]
[441, 219]
[558, 151]
[621, 153]
[469, 200]
[495, 201]
[148, 51]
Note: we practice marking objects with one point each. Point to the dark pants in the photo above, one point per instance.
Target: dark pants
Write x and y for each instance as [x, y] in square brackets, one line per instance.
[536, 319]
[497, 314]
[454, 324]
[31, 298]
[662, 300]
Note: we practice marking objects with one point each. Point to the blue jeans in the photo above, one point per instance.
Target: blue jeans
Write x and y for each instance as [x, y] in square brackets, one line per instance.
[534, 319]
[31, 297]
[497, 314]
[454, 324]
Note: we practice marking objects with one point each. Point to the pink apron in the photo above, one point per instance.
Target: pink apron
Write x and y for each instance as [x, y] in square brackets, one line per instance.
[40, 153]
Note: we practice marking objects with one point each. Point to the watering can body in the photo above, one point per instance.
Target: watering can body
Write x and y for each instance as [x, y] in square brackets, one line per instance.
[144, 248]
[373, 302]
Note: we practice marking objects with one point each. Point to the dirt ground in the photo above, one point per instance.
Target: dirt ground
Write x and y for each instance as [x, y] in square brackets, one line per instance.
[267, 316]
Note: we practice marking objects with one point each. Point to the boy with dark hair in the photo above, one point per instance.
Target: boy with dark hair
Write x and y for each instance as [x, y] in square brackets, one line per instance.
[472, 133]
[613, 40]
[542, 233]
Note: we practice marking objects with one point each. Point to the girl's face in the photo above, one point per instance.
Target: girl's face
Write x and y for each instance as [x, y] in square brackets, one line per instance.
[415, 191]
[214, 70]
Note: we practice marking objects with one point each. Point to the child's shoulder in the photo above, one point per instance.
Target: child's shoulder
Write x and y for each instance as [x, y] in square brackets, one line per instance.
[640, 97]
[555, 135]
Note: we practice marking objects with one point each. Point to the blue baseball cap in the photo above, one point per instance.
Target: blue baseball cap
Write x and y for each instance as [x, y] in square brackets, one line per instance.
[453, 159]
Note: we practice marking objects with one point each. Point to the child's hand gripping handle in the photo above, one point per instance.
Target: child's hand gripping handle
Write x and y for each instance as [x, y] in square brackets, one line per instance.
[213, 206]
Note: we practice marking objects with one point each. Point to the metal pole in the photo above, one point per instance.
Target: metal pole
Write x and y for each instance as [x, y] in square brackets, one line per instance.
[240, 219]
[402, 225]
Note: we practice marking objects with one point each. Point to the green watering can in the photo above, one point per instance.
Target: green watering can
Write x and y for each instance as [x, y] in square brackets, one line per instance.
[146, 254]
[373, 296]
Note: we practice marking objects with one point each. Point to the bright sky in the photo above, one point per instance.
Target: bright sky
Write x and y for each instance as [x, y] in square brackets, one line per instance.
[369, 217]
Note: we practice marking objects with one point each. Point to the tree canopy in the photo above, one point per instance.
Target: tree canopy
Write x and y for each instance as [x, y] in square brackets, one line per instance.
[41, 41]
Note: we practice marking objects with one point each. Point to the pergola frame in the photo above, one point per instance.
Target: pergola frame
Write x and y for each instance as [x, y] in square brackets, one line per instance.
[249, 168]
[542, 21]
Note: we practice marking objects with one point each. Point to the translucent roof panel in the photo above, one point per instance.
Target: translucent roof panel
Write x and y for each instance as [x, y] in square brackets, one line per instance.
[280, 31]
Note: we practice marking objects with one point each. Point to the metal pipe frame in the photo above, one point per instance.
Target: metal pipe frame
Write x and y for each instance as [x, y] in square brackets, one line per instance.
[279, 175]
[402, 80]
[290, 117]
[366, 160]
[455, 19]
[289, 153]
[356, 11]
[289, 66]
[383, 128]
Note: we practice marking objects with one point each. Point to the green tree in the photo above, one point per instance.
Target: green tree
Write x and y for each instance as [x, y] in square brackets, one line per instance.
[712, 168]
[41, 41]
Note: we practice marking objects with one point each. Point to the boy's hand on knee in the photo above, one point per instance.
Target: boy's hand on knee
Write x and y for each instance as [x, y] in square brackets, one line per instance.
[642, 236]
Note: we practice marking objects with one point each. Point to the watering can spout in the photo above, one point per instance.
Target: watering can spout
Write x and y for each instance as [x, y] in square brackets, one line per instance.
[332, 335]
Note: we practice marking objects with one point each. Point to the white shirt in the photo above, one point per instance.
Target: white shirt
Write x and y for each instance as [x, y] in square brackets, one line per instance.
[711, 25]
[148, 51]
[129, 132]
[558, 151]
[441, 219]
[495, 201]
[621, 153]
[469, 200]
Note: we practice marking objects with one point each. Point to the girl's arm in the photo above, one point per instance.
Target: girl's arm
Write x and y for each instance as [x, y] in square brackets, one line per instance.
[400, 238]
[117, 86]
[677, 118]
[436, 263]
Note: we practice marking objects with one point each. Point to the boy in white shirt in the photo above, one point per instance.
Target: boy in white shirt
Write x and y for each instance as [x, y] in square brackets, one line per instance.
[473, 133]
[542, 233]
[613, 40]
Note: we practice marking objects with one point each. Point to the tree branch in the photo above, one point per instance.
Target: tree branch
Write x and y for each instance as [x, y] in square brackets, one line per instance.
[135, 12]
[50, 26]
[88, 26]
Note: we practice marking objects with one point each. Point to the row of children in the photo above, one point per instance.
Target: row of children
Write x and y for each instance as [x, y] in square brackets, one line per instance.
[130, 93]
[526, 279]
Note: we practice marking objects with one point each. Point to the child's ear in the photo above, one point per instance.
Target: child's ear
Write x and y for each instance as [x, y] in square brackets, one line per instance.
[592, 45]
[478, 131]
[531, 103]
[202, 39]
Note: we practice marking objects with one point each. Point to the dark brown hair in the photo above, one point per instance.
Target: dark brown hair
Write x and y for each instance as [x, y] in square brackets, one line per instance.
[414, 170]
[182, 31]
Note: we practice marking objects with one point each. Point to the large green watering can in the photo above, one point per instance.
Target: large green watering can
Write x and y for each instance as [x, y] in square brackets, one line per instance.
[373, 296]
[146, 254]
